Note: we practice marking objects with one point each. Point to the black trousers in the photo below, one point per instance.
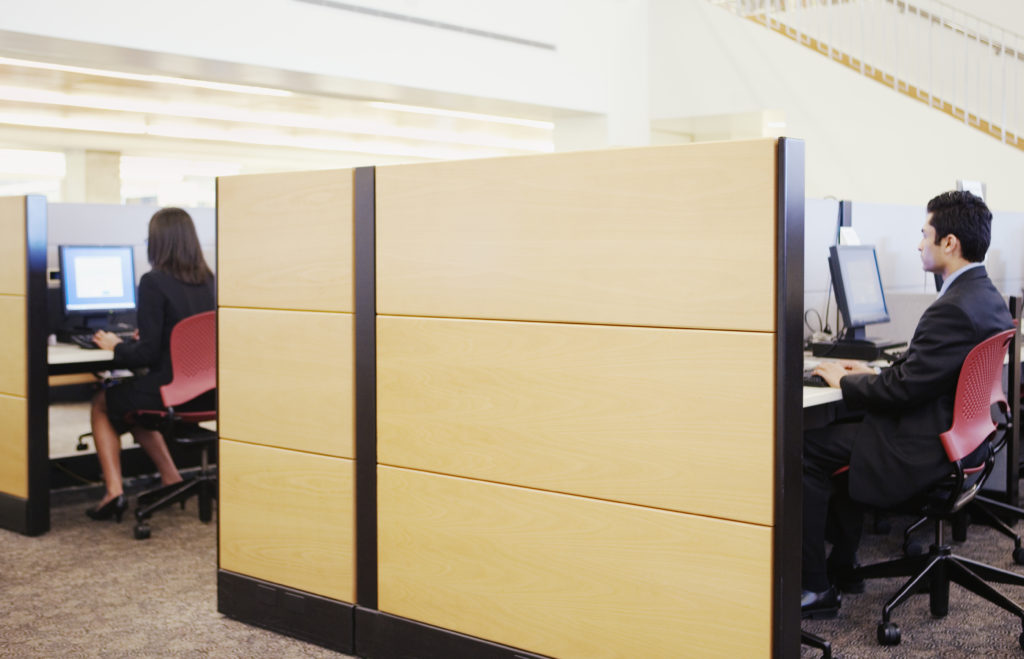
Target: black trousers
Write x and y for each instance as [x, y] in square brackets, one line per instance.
[829, 512]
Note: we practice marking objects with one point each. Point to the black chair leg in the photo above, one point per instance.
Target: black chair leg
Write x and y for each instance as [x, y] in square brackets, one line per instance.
[960, 573]
[807, 638]
[912, 586]
[990, 573]
[898, 567]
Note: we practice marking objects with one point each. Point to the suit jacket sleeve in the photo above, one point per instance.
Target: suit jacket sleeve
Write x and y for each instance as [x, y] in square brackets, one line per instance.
[145, 351]
[932, 364]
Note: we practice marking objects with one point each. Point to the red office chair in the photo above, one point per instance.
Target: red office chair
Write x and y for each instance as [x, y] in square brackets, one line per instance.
[194, 364]
[972, 427]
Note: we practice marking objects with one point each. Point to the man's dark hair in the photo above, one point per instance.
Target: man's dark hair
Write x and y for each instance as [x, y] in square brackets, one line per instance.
[965, 216]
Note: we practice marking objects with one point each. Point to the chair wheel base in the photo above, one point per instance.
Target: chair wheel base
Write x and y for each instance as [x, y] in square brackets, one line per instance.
[1018, 555]
[142, 531]
[889, 633]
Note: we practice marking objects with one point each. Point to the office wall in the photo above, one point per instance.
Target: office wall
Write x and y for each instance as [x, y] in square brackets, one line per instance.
[558, 341]
[285, 354]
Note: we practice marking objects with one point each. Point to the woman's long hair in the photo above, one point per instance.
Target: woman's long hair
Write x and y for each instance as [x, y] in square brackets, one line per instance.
[174, 247]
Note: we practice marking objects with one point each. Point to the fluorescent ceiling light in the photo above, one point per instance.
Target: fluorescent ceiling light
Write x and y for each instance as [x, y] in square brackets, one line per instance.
[416, 109]
[278, 119]
[167, 80]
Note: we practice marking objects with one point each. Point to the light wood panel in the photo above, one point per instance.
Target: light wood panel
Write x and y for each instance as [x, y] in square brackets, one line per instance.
[286, 379]
[676, 419]
[288, 517]
[13, 354]
[14, 446]
[571, 577]
[675, 236]
[285, 240]
[12, 245]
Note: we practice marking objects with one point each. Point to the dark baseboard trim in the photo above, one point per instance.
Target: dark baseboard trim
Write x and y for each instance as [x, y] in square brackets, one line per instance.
[384, 636]
[325, 622]
[14, 515]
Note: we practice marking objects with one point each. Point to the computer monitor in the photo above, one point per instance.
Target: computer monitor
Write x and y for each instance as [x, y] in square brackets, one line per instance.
[858, 286]
[96, 283]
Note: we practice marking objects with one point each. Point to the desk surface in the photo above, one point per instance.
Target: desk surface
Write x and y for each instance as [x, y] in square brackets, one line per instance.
[65, 358]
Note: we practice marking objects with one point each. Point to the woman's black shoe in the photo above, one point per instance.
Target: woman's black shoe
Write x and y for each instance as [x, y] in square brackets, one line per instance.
[114, 508]
[819, 606]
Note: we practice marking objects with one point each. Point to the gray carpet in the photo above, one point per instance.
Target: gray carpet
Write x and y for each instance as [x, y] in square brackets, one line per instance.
[88, 589]
[973, 628]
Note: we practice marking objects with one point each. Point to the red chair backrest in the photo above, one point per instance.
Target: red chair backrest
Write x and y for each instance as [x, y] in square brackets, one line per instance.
[193, 359]
[979, 386]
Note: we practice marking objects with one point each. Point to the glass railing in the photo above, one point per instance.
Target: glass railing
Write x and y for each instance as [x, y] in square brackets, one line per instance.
[956, 62]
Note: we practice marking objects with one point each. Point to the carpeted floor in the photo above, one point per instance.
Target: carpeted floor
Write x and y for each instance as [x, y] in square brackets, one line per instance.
[88, 589]
[973, 628]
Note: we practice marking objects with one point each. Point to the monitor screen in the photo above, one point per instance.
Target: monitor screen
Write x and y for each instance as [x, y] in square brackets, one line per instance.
[858, 285]
[97, 279]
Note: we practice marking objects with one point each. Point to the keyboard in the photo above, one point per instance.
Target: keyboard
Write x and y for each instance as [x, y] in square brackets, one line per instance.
[85, 340]
[813, 380]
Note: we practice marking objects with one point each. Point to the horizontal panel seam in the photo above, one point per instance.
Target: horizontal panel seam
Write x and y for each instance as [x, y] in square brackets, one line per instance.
[287, 448]
[4, 394]
[18, 296]
[576, 496]
[324, 311]
[582, 324]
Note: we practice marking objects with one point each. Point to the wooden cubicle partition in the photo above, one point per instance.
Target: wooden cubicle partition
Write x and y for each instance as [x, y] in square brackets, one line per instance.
[582, 450]
[570, 438]
[286, 463]
[24, 449]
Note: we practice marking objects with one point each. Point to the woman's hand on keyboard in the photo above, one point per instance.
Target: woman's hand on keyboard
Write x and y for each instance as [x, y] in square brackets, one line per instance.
[106, 340]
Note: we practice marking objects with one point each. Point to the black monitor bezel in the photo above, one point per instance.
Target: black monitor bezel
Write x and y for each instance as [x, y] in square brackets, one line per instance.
[94, 313]
[840, 287]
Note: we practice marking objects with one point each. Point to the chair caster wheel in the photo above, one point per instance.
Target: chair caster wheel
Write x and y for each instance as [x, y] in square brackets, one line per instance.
[912, 549]
[1018, 555]
[889, 633]
[141, 531]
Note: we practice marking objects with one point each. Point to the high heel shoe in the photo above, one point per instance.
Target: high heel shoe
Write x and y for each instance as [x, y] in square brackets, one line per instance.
[114, 508]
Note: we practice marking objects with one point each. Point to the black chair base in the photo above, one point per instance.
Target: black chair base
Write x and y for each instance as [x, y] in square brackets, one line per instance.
[807, 638]
[933, 573]
[203, 486]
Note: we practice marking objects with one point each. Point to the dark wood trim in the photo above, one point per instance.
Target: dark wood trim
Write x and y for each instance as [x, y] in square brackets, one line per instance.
[295, 613]
[365, 385]
[789, 303]
[216, 302]
[384, 636]
[38, 509]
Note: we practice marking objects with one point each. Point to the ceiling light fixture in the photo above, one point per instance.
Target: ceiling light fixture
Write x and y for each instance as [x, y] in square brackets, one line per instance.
[167, 80]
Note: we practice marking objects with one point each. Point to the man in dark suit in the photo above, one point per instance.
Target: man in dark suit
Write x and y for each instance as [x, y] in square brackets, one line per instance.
[894, 450]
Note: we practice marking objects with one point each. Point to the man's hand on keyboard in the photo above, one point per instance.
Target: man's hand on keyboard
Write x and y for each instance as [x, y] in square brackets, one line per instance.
[833, 372]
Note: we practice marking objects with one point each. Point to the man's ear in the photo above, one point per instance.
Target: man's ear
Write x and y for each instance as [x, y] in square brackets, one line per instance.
[951, 244]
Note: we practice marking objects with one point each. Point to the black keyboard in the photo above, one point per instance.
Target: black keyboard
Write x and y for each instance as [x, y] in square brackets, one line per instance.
[85, 340]
[811, 379]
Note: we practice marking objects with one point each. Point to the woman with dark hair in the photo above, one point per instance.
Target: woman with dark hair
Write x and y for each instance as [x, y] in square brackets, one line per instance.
[179, 285]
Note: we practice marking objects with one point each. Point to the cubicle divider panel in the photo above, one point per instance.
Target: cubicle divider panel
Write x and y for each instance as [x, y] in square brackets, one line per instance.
[24, 474]
[13, 358]
[577, 358]
[13, 447]
[286, 379]
[285, 389]
[284, 241]
[664, 236]
[286, 517]
[637, 415]
[571, 577]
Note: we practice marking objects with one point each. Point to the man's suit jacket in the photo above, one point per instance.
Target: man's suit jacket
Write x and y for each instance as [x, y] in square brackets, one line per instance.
[910, 403]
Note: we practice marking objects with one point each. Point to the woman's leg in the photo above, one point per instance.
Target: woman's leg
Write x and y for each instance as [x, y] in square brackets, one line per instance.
[152, 442]
[108, 447]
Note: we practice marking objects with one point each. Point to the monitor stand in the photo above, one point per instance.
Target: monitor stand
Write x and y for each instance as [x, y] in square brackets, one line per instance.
[854, 344]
